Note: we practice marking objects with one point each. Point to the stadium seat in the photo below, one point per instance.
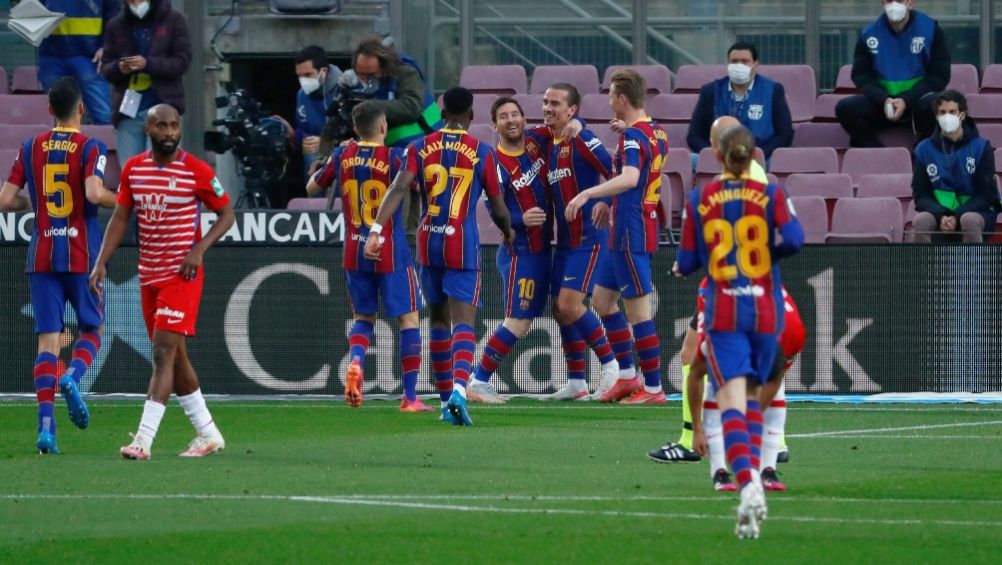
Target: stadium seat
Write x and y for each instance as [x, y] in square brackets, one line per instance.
[113, 172]
[964, 78]
[25, 81]
[985, 108]
[998, 172]
[909, 218]
[532, 105]
[867, 220]
[584, 77]
[887, 186]
[104, 133]
[678, 178]
[690, 78]
[859, 161]
[307, 204]
[25, 109]
[813, 216]
[7, 158]
[13, 135]
[672, 108]
[502, 80]
[707, 166]
[788, 160]
[595, 108]
[4, 86]
[824, 107]
[658, 77]
[991, 132]
[821, 135]
[489, 233]
[484, 133]
[609, 138]
[482, 108]
[678, 135]
[829, 187]
[844, 84]
[898, 136]
[991, 83]
[801, 87]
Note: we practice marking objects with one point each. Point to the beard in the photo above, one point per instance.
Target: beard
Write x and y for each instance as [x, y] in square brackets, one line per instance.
[164, 147]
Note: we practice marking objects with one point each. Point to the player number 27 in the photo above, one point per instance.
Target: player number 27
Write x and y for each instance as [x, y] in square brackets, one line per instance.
[58, 193]
[751, 234]
[364, 200]
[439, 177]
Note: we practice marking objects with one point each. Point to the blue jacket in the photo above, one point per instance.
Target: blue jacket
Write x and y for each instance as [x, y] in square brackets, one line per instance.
[311, 109]
[952, 178]
[81, 32]
[764, 111]
[900, 59]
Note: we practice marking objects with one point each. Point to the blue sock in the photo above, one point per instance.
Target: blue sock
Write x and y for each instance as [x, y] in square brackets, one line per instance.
[358, 340]
[464, 345]
[649, 354]
[440, 349]
[574, 352]
[45, 390]
[590, 328]
[498, 347]
[410, 360]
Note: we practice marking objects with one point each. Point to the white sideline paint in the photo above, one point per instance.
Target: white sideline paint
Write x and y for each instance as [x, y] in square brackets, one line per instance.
[901, 429]
[397, 501]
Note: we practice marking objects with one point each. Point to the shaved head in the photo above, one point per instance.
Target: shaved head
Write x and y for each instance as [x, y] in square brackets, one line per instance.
[163, 112]
[163, 125]
[720, 125]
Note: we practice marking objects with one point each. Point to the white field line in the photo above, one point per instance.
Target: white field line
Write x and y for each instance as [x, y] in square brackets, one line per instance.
[900, 429]
[903, 437]
[400, 502]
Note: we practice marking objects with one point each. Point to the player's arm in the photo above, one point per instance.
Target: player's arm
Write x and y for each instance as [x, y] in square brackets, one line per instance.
[10, 200]
[97, 193]
[325, 177]
[688, 259]
[113, 236]
[501, 216]
[616, 185]
[788, 224]
[391, 201]
[492, 176]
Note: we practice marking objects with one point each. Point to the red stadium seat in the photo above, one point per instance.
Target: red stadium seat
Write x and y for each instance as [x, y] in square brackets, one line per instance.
[482, 108]
[887, 186]
[609, 138]
[113, 172]
[909, 218]
[672, 108]
[532, 105]
[867, 220]
[677, 135]
[307, 204]
[489, 233]
[584, 77]
[678, 179]
[859, 162]
[104, 133]
[707, 166]
[991, 83]
[13, 135]
[824, 107]
[830, 187]
[788, 160]
[813, 216]
[502, 80]
[658, 77]
[484, 133]
[7, 158]
[595, 108]
[25, 81]
[985, 108]
[25, 109]
[4, 86]
[801, 87]
[991, 132]
[821, 135]
[844, 84]
[898, 136]
[690, 78]
[964, 78]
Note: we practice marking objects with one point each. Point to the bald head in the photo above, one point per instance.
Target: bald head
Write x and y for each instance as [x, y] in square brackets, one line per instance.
[720, 125]
[162, 112]
[163, 125]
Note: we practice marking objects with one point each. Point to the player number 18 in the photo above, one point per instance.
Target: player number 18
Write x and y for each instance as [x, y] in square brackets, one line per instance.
[752, 238]
[364, 201]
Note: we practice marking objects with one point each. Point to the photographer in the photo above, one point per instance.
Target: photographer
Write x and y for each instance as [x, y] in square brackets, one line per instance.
[396, 83]
[318, 83]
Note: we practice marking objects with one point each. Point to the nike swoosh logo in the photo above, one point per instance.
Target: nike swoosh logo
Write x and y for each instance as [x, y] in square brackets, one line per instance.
[173, 321]
[623, 288]
[568, 279]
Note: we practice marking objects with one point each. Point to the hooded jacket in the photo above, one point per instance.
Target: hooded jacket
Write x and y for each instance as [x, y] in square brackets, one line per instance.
[968, 163]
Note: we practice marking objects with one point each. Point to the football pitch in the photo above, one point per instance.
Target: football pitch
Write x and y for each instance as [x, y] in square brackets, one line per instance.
[529, 483]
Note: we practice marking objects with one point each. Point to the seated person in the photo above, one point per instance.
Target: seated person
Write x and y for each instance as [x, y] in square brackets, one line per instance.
[954, 178]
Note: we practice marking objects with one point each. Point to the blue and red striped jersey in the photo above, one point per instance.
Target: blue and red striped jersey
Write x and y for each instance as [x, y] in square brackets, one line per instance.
[454, 170]
[53, 166]
[644, 145]
[363, 172]
[523, 180]
[576, 165]
[730, 226]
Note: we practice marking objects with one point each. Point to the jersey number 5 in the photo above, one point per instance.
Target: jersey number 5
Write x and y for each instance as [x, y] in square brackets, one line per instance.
[439, 177]
[753, 257]
[58, 193]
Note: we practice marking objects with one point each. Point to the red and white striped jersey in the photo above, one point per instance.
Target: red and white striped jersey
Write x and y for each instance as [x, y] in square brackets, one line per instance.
[166, 200]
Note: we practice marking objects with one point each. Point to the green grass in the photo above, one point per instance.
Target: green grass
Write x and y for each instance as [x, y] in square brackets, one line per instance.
[529, 483]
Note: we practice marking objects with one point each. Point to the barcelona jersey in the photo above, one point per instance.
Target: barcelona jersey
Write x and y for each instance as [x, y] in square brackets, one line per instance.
[729, 226]
[523, 180]
[644, 145]
[53, 166]
[363, 172]
[454, 170]
[575, 165]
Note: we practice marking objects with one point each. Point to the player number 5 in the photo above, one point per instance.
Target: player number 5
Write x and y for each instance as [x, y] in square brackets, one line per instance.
[58, 193]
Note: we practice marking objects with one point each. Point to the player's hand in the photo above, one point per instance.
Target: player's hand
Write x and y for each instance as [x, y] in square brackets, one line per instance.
[618, 126]
[96, 280]
[509, 237]
[373, 246]
[314, 167]
[675, 271]
[572, 129]
[600, 214]
[575, 205]
[534, 217]
[699, 444]
[189, 267]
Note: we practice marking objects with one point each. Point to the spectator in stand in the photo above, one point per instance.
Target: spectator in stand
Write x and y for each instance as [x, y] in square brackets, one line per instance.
[74, 49]
[758, 102]
[954, 178]
[318, 83]
[901, 62]
[147, 49]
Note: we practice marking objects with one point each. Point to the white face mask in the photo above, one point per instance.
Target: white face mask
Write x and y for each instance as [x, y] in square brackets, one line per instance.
[738, 73]
[896, 11]
[949, 123]
[309, 85]
[140, 10]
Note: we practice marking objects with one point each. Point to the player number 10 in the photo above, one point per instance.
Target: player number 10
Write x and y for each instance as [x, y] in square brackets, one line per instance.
[754, 258]
[526, 289]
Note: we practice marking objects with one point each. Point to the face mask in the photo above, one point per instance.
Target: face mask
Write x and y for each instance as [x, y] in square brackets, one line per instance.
[896, 11]
[738, 73]
[309, 85]
[949, 123]
[140, 10]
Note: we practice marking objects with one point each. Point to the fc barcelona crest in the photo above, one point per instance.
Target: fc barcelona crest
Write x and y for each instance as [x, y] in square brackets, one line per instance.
[755, 112]
[918, 44]
[565, 151]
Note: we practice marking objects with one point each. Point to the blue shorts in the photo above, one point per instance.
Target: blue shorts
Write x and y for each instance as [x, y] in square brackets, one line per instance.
[575, 267]
[400, 292]
[440, 284]
[51, 291]
[525, 276]
[626, 273]
[738, 354]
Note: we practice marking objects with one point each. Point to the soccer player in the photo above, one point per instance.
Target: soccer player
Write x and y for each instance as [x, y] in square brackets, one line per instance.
[524, 266]
[637, 191]
[577, 164]
[363, 172]
[454, 169]
[166, 187]
[63, 171]
[729, 226]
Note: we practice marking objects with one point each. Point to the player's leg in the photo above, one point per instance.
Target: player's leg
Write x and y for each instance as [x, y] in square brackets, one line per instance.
[672, 452]
[47, 303]
[363, 291]
[463, 289]
[402, 299]
[634, 279]
[774, 419]
[686, 356]
[440, 335]
[208, 439]
[605, 301]
[89, 308]
[578, 283]
[165, 346]
[571, 341]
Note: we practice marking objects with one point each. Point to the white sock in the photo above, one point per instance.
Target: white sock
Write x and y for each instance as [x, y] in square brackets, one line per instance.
[613, 366]
[772, 437]
[714, 429]
[627, 374]
[652, 389]
[458, 387]
[153, 412]
[577, 384]
[196, 410]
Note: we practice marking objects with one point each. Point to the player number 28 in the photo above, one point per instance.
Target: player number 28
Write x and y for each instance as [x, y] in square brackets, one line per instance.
[364, 200]
[752, 238]
[439, 177]
[58, 194]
